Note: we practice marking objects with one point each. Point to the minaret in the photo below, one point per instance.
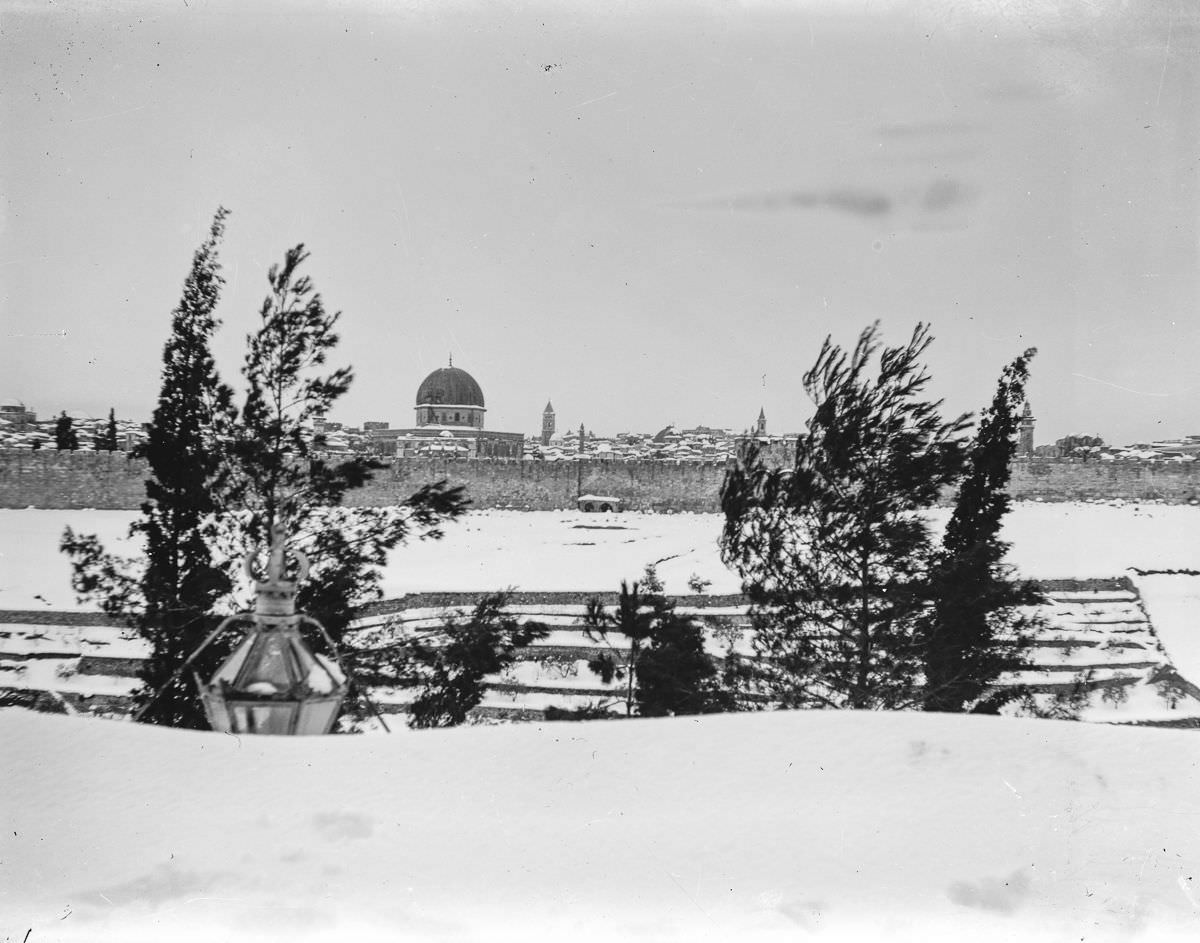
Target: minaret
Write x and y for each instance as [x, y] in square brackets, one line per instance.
[547, 423]
[1025, 429]
[760, 426]
[581, 434]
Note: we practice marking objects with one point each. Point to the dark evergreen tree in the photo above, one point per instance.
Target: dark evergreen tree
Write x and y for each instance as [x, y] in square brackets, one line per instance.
[675, 675]
[279, 473]
[182, 581]
[975, 631]
[174, 599]
[633, 618]
[663, 663]
[65, 436]
[221, 480]
[448, 666]
[833, 551]
[106, 441]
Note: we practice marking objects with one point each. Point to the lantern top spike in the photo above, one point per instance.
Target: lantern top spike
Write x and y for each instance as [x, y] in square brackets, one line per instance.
[275, 563]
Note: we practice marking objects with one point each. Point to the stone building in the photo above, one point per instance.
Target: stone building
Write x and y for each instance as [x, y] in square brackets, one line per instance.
[16, 417]
[449, 422]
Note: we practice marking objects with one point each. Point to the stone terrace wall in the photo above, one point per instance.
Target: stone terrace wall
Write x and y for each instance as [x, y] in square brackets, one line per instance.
[51, 479]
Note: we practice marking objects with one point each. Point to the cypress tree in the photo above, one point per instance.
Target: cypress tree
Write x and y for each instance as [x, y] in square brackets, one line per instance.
[169, 594]
[182, 582]
[65, 437]
[219, 481]
[107, 440]
[974, 631]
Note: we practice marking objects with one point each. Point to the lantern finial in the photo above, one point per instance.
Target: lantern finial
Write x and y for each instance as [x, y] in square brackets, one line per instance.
[273, 683]
[274, 593]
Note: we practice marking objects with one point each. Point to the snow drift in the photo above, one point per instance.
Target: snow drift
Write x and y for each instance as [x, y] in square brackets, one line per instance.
[767, 826]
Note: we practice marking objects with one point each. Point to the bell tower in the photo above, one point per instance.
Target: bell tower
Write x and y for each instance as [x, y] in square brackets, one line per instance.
[547, 423]
[1025, 430]
[760, 424]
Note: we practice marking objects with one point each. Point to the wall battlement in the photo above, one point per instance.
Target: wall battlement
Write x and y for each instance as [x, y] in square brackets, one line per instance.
[112, 480]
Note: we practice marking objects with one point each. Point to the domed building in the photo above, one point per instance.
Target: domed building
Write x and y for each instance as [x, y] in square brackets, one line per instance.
[449, 422]
[450, 396]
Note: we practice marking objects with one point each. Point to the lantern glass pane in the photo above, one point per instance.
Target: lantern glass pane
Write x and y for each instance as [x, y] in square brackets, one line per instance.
[229, 670]
[265, 717]
[317, 716]
[302, 655]
[270, 668]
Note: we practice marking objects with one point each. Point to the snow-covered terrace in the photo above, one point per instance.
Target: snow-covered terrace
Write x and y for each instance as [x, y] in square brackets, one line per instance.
[1096, 637]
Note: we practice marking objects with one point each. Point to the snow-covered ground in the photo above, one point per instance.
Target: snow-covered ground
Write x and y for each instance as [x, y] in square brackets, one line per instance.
[549, 551]
[570, 550]
[835, 825]
[1172, 602]
[776, 826]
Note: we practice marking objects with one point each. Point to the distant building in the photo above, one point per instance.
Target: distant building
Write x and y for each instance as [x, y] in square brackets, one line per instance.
[547, 423]
[1025, 431]
[16, 417]
[449, 423]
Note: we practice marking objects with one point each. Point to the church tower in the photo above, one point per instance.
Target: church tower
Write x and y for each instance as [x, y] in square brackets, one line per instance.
[1025, 428]
[547, 423]
[760, 425]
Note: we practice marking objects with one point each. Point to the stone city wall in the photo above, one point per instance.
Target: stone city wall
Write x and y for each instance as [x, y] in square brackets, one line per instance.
[47, 478]
[547, 486]
[51, 479]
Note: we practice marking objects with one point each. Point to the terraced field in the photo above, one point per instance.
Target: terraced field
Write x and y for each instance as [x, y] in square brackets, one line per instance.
[1097, 653]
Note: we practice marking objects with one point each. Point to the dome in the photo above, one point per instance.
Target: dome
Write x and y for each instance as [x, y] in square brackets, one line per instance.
[449, 386]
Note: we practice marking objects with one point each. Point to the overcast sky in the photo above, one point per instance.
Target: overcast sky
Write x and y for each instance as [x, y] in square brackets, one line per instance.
[649, 213]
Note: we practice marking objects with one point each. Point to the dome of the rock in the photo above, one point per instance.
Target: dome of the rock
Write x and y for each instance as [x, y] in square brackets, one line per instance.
[449, 386]
[449, 423]
[450, 397]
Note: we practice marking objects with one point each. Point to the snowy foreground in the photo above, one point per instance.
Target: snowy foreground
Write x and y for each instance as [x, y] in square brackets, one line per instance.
[775, 826]
[569, 550]
[839, 825]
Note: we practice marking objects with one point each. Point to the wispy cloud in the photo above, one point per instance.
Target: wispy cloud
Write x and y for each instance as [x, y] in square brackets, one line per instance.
[945, 193]
[858, 202]
[940, 196]
[925, 129]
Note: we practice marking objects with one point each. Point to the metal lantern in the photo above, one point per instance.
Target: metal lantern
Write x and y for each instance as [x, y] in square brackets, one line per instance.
[273, 683]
